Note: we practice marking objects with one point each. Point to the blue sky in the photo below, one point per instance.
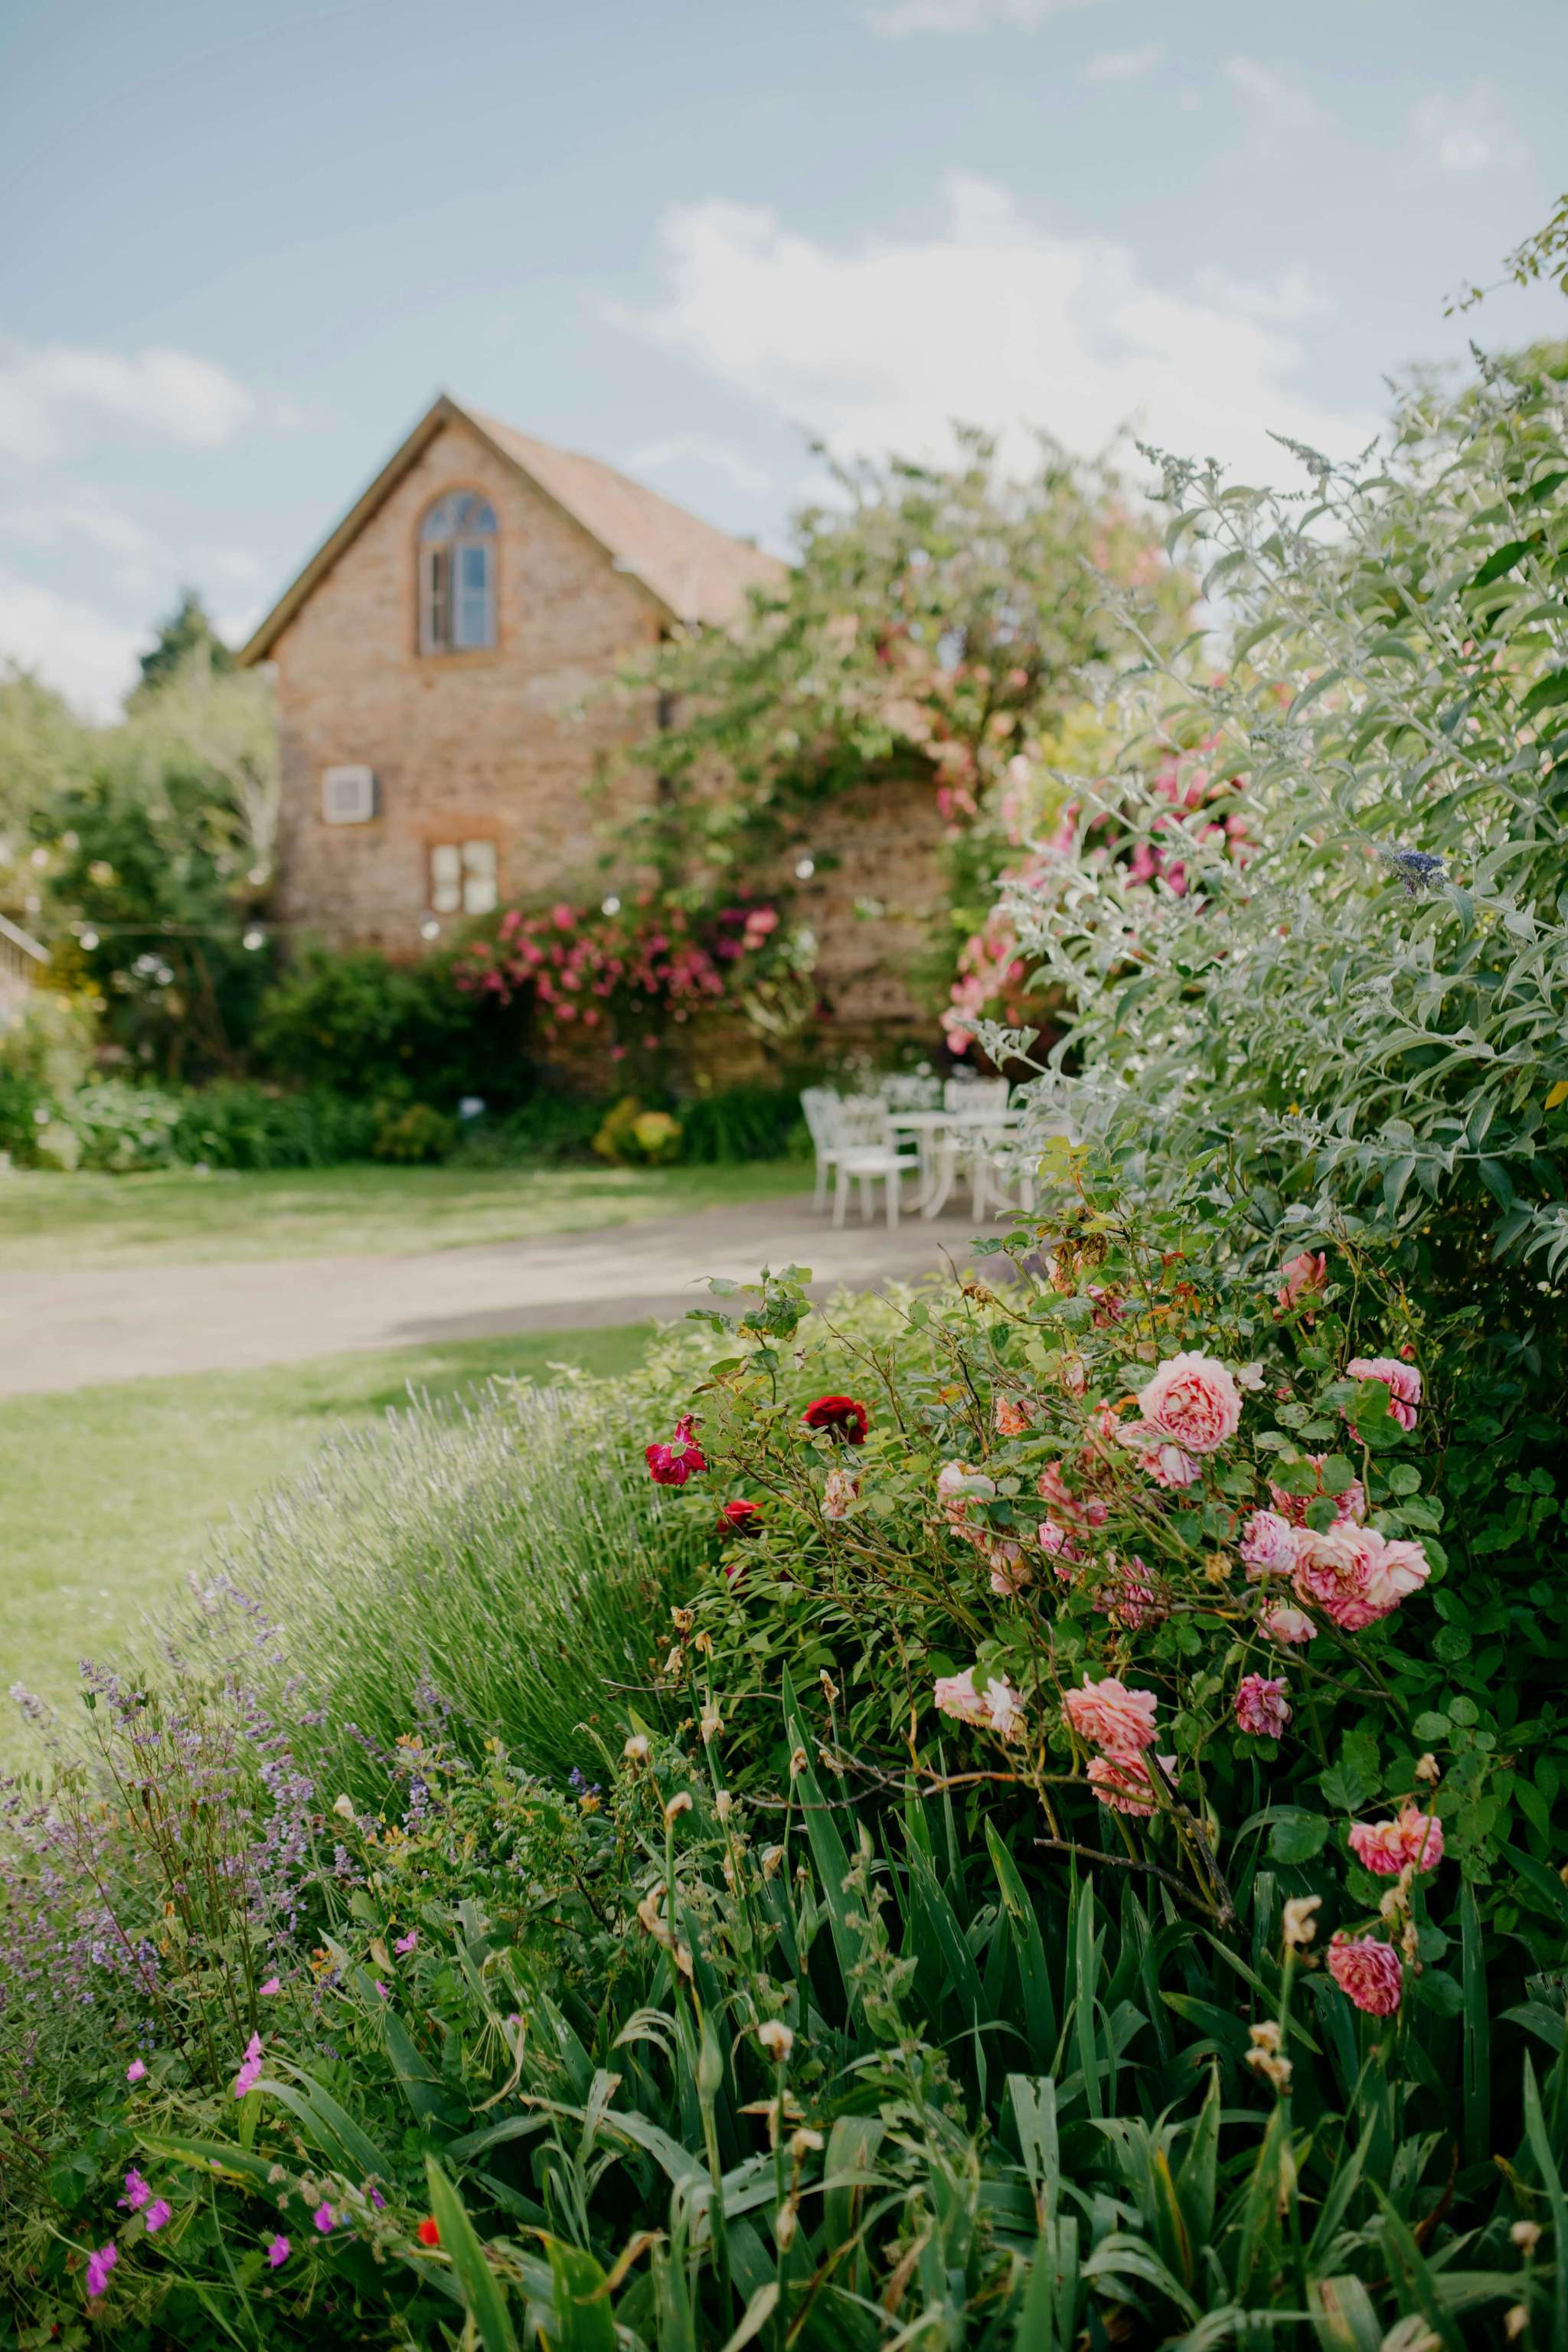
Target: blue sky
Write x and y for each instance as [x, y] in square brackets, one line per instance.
[245, 246]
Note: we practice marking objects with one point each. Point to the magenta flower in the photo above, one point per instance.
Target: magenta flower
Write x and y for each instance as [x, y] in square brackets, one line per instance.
[324, 2219]
[405, 1944]
[381, 1988]
[135, 2071]
[98, 2266]
[272, 1984]
[157, 2214]
[137, 2192]
[276, 2254]
[250, 2067]
[1261, 1707]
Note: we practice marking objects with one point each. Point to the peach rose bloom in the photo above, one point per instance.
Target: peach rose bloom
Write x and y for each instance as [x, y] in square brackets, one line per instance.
[1368, 1971]
[1281, 1622]
[1300, 1276]
[839, 1494]
[996, 1709]
[1012, 1416]
[1109, 1715]
[1403, 1382]
[1385, 1848]
[1193, 1401]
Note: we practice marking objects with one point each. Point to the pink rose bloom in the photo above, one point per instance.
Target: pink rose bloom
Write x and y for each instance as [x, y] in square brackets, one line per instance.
[1354, 1575]
[1127, 1599]
[1387, 1847]
[1168, 1465]
[1268, 1545]
[1063, 1547]
[1077, 1510]
[1261, 1707]
[1403, 1382]
[1012, 1416]
[1193, 1401]
[1010, 1571]
[996, 1709]
[682, 1458]
[956, 1487]
[1279, 1622]
[1349, 1504]
[1107, 1715]
[1368, 1971]
[1123, 1783]
[1300, 1277]
[838, 1494]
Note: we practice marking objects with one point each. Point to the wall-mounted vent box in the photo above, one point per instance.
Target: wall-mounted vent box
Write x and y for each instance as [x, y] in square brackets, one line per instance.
[348, 795]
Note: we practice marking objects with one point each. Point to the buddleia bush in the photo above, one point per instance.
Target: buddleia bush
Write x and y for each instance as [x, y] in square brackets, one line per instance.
[1342, 968]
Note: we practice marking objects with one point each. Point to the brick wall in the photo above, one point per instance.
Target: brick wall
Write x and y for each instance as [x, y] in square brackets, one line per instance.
[478, 746]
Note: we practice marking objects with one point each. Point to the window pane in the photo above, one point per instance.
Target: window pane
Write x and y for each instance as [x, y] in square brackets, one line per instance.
[436, 620]
[479, 857]
[446, 862]
[479, 894]
[473, 599]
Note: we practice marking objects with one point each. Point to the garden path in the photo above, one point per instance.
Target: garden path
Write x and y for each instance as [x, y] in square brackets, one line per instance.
[61, 1329]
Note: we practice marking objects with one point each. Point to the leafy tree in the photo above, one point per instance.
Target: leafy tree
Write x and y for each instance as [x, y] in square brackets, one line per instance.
[186, 635]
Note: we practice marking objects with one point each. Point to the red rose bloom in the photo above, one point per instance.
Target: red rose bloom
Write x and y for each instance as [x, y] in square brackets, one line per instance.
[740, 1518]
[430, 2232]
[841, 1414]
[682, 1458]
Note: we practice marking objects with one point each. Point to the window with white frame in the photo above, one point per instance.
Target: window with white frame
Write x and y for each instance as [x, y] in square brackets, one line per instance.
[463, 877]
[458, 575]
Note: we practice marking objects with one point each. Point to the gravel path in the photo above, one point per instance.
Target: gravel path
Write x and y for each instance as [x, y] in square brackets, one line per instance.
[61, 1329]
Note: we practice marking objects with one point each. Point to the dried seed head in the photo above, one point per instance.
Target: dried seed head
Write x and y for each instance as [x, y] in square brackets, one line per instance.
[1526, 2236]
[776, 2038]
[712, 1722]
[679, 1804]
[1301, 1920]
[1428, 1769]
[724, 1804]
[635, 1751]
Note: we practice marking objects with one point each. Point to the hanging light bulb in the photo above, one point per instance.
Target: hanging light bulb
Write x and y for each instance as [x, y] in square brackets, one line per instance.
[804, 867]
[429, 928]
[610, 906]
[254, 938]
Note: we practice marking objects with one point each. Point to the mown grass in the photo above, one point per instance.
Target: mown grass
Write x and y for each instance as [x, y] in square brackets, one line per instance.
[175, 1216]
[113, 1494]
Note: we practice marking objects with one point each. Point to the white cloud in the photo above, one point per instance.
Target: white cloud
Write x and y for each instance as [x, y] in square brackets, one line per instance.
[49, 394]
[862, 344]
[903, 17]
[1272, 94]
[88, 657]
[697, 450]
[1124, 65]
[1295, 298]
[1465, 131]
[82, 513]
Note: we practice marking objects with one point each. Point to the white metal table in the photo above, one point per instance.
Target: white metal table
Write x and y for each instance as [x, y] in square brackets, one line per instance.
[944, 1139]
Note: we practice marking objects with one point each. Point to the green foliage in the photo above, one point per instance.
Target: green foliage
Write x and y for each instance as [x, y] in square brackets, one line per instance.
[1364, 1008]
[365, 1027]
[185, 640]
[415, 1135]
[743, 1122]
[632, 1136]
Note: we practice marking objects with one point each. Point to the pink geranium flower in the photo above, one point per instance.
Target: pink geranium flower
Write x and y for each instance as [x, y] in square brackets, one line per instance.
[98, 2266]
[1109, 1716]
[1415, 1840]
[1268, 1545]
[1368, 1971]
[250, 2067]
[1403, 1382]
[157, 2214]
[1261, 1707]
[1122, 1782]
[136, 2069]
[278, 2252]
[1193, 1401]
[1301, 1276]
[137, 2191]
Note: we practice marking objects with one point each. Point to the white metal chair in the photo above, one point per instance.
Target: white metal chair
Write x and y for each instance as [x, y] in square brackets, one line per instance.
[975, 1093]
[902, 1091]
[865, 1153]
[819, 1105]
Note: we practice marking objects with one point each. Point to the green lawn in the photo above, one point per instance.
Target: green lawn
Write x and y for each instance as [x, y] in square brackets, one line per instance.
[110, 1493]
[176, 1216]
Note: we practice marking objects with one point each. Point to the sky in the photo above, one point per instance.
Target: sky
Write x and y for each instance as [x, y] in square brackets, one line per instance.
[243, 247]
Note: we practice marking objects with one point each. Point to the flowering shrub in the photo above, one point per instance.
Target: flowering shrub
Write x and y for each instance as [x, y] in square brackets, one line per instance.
[626, 979]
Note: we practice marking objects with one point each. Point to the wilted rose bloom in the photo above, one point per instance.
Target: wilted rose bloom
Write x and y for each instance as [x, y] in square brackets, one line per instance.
[1077, 1510]
[956, 1487]
[1403, 1382]
[1123, 1783]
[1193, 1401]
[1349, 1504]
[1107, 1306]
[1368, 1971]
[1126, 1596]
[1300, 1276]
[1010, 1571]
[1112, 1717]
[1279, 1622]
[1385, 1848]
[1013, 1416]
[682, 1458]
[1261, 1707]
[1167, 1465]
[838, 1494]
[1354, 1575]
[1268, 1545]
[997, 1707]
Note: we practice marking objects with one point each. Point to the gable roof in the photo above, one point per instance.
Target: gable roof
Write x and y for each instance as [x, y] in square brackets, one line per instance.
[695, 573]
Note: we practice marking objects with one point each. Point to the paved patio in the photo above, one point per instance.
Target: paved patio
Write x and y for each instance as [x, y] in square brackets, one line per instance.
[62, 1329]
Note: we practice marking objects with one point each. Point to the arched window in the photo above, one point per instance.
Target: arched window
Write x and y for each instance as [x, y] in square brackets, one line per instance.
[458, 575]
